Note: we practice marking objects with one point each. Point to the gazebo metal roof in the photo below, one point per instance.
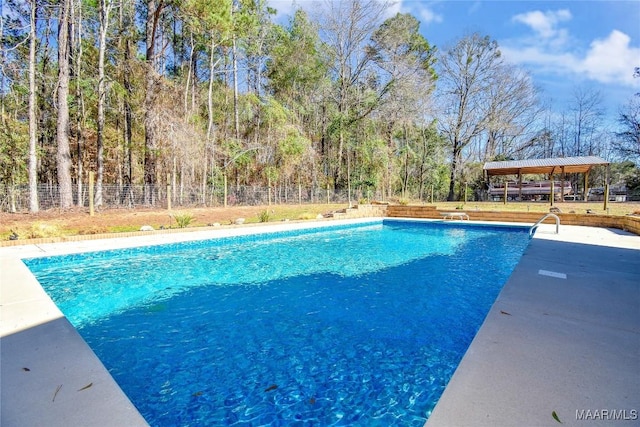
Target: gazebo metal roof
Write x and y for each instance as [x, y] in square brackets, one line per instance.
[544, 166]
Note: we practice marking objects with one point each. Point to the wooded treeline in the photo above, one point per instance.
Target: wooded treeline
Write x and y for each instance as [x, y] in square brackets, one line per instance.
[198, 92]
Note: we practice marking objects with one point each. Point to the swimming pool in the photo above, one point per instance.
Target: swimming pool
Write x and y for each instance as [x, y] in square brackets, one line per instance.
[334, 326]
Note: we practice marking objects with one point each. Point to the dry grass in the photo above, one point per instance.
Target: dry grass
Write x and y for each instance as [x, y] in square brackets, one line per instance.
[77, 221]
[57, 223]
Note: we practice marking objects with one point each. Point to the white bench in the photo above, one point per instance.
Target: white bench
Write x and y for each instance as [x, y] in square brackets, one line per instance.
[454, 215]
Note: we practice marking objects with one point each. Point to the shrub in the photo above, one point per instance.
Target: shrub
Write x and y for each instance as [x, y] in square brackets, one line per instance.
[40, 230]
[264, 216]
[183, 219]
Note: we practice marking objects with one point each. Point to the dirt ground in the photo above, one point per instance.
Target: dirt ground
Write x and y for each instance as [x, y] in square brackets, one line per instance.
[77, 221]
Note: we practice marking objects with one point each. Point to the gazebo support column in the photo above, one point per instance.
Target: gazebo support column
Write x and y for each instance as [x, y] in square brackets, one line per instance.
[606, 188]
[519, 185]
[586, 186]
[562, 186]
[552, 195]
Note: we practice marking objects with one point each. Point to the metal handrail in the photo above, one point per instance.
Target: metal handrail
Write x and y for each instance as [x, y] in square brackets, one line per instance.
[537, 224]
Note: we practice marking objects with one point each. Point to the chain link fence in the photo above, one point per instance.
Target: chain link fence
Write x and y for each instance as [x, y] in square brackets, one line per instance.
[16, 198]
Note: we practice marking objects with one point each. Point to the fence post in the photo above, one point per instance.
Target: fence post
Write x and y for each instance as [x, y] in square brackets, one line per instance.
[168, 192]
[91, 212]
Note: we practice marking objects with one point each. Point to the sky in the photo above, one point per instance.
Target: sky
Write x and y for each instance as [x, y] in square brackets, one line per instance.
[565, 45]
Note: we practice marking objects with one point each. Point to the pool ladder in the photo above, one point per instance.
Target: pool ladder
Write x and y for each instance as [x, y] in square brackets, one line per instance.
[537, 224]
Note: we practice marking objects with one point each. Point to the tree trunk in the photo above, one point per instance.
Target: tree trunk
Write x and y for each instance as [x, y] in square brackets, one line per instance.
[80, 105]
[128, 113]
[63, 154]
[105, 10]
[455, 164]
[33, 126]
[236, 113]
[187, 85]
[154, 9]
[210, 124]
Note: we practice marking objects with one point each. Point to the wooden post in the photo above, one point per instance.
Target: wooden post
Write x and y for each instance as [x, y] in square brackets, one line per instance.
[91, 212]
[506, 192]
[606, 189]
[552, 196]
[586, 186]
[562, 186]
[168, 191]
[225, 189]
[519, 185]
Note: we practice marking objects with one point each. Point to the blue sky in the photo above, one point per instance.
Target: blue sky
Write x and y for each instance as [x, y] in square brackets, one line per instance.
[565, 45]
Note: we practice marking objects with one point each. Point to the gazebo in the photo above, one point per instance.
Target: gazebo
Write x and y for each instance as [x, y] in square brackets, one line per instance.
[551, 167]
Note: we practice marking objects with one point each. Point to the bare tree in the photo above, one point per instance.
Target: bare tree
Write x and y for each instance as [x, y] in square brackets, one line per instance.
[587, 120]
[33, 125]
[627, 142]
[513, 111]
[346, 27]
[104, 11]
[63, 153]
[467, 72]
[76, 13]
[154, 13]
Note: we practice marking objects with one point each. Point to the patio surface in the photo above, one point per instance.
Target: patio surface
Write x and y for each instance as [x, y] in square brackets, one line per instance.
[562, 338]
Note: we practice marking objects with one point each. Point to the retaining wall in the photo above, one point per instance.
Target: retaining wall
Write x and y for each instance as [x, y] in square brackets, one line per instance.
[627, 223]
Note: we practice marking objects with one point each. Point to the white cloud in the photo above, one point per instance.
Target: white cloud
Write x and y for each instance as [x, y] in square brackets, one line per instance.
[423, 12]
[428, 16]
[544, 23]
[611, 60]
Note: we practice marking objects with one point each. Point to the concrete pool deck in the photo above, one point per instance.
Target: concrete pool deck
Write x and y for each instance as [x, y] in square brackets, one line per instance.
[562, 337]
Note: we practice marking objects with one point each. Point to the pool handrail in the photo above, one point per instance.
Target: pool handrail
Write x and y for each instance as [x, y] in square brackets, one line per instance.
[537, 224]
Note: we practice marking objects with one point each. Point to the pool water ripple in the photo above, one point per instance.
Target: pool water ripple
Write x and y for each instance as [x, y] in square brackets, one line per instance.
[360, 326]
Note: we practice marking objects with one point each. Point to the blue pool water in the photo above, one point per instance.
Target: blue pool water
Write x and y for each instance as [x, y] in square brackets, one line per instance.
[358, 325]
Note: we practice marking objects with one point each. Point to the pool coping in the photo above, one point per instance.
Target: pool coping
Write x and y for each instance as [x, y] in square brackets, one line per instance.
[50, 376]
